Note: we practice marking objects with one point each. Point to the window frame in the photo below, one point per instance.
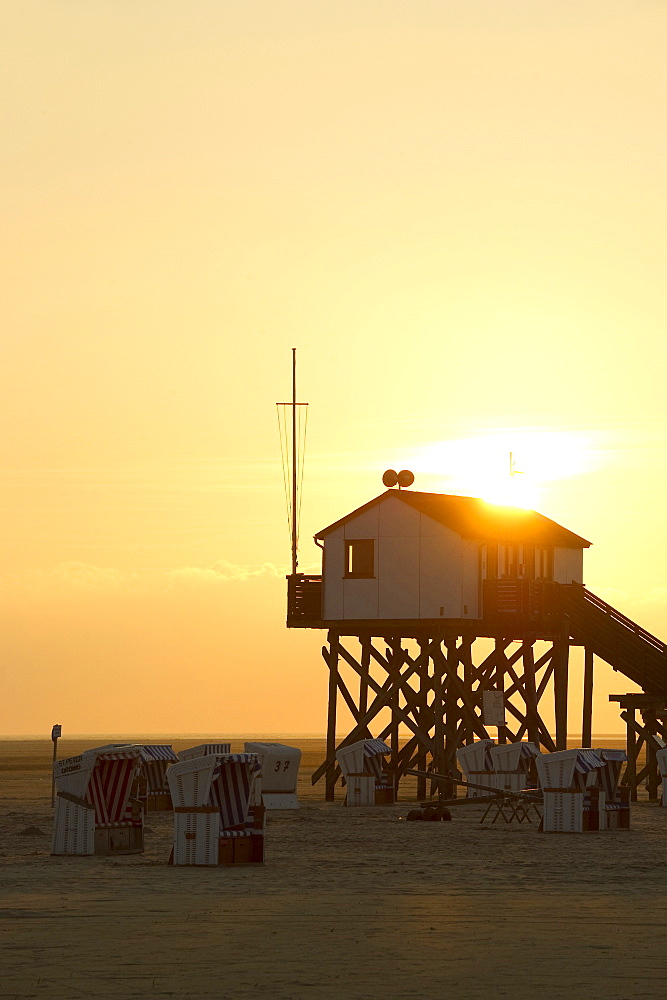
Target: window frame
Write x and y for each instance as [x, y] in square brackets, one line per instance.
[349, 559]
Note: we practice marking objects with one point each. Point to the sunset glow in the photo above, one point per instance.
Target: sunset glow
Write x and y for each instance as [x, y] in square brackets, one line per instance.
[456, 213]
[480, 465]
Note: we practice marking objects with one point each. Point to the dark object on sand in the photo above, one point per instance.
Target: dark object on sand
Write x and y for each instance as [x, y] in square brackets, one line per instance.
[432, 814]
[32, 831]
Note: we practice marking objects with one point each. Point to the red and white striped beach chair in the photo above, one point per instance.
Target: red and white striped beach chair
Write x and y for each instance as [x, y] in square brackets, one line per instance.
[98, 810]
[363, 767]
[215, 821]
[156, 758]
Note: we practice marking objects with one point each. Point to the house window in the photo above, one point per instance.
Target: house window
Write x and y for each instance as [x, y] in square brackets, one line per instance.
[506, 562]
[543, 564]
[360, 558]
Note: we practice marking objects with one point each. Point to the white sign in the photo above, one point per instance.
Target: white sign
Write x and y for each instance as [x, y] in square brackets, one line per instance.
[493, 708]
[56, 732]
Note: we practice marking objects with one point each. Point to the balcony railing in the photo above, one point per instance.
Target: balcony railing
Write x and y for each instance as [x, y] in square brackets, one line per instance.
[304, 600]
[529, 600]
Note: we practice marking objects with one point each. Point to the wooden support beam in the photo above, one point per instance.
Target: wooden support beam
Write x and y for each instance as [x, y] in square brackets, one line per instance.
[332, 662]
[561, 656]
[424, 687]
[395, 657]
[365, 642]
[530, 692]
[587, 704]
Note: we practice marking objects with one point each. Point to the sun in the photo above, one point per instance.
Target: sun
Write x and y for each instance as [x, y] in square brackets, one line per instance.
[508, 467]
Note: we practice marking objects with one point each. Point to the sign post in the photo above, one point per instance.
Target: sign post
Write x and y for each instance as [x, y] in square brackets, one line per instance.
[493, 708]
[55, 733]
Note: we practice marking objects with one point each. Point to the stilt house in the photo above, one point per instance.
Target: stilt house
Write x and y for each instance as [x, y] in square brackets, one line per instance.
[447, 571]
[424, 557]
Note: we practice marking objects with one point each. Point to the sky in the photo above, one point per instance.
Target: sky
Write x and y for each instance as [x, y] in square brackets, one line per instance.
[456, 213]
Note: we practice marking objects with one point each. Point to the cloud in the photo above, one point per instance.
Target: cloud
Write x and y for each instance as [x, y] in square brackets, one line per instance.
[222, 572]
[73, 579]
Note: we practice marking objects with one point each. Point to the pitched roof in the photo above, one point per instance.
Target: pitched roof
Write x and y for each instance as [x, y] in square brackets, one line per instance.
[472, 517]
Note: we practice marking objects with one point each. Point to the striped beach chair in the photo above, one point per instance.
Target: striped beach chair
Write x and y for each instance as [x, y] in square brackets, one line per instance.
[477, 766]
[615, 810]
[215, 821]
[512, 765]
[98, 810]
[571, 784]
[204, 750]
[661, 757]
[363, 768]
[156, 758]
[280, 771]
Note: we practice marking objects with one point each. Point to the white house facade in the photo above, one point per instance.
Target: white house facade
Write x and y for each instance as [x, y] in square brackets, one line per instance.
[409, 555]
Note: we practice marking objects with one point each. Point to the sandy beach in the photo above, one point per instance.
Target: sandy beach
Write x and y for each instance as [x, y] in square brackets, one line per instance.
[350, 904]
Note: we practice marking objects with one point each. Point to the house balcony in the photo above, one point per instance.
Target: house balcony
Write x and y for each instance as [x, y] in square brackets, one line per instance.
[509, 607]
[304, 601]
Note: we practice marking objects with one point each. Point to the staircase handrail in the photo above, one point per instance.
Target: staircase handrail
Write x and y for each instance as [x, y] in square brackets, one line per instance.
[616, 615]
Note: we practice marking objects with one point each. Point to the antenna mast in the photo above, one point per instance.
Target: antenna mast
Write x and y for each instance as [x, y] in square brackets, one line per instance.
[292, 489]
[295, 559]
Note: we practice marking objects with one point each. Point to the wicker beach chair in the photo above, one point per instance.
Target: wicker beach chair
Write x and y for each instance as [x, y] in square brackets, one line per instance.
[363, 767]
[279, 774]
[98, 810]
[477, 766]
[215, 821]
[571, 784]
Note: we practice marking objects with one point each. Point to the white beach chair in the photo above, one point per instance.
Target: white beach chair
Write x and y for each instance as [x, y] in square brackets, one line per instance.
[475, 762]
[203, 750]
[156, 758]
[511, 764]
[214, 819]
[363, 767]
[615, 812]
[98, 810]
[661, 757]
[280, 771]
[571, 784]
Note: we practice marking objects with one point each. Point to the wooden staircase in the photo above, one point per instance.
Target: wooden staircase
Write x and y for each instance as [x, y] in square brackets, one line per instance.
[623, 644]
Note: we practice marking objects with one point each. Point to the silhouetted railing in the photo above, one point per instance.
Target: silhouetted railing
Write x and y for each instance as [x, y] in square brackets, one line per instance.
[304, 599]
[529, 600]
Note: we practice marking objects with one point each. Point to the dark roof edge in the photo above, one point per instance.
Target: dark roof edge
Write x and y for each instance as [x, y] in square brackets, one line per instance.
[353, 513]
[578, 540]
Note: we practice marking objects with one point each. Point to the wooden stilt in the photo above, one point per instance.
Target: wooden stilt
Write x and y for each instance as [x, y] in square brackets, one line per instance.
[587, 706]
[530, 692]
[424, 686]
[395, 656]
[499, 684]
[365, 642]
[332, 660]
[561, 656]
